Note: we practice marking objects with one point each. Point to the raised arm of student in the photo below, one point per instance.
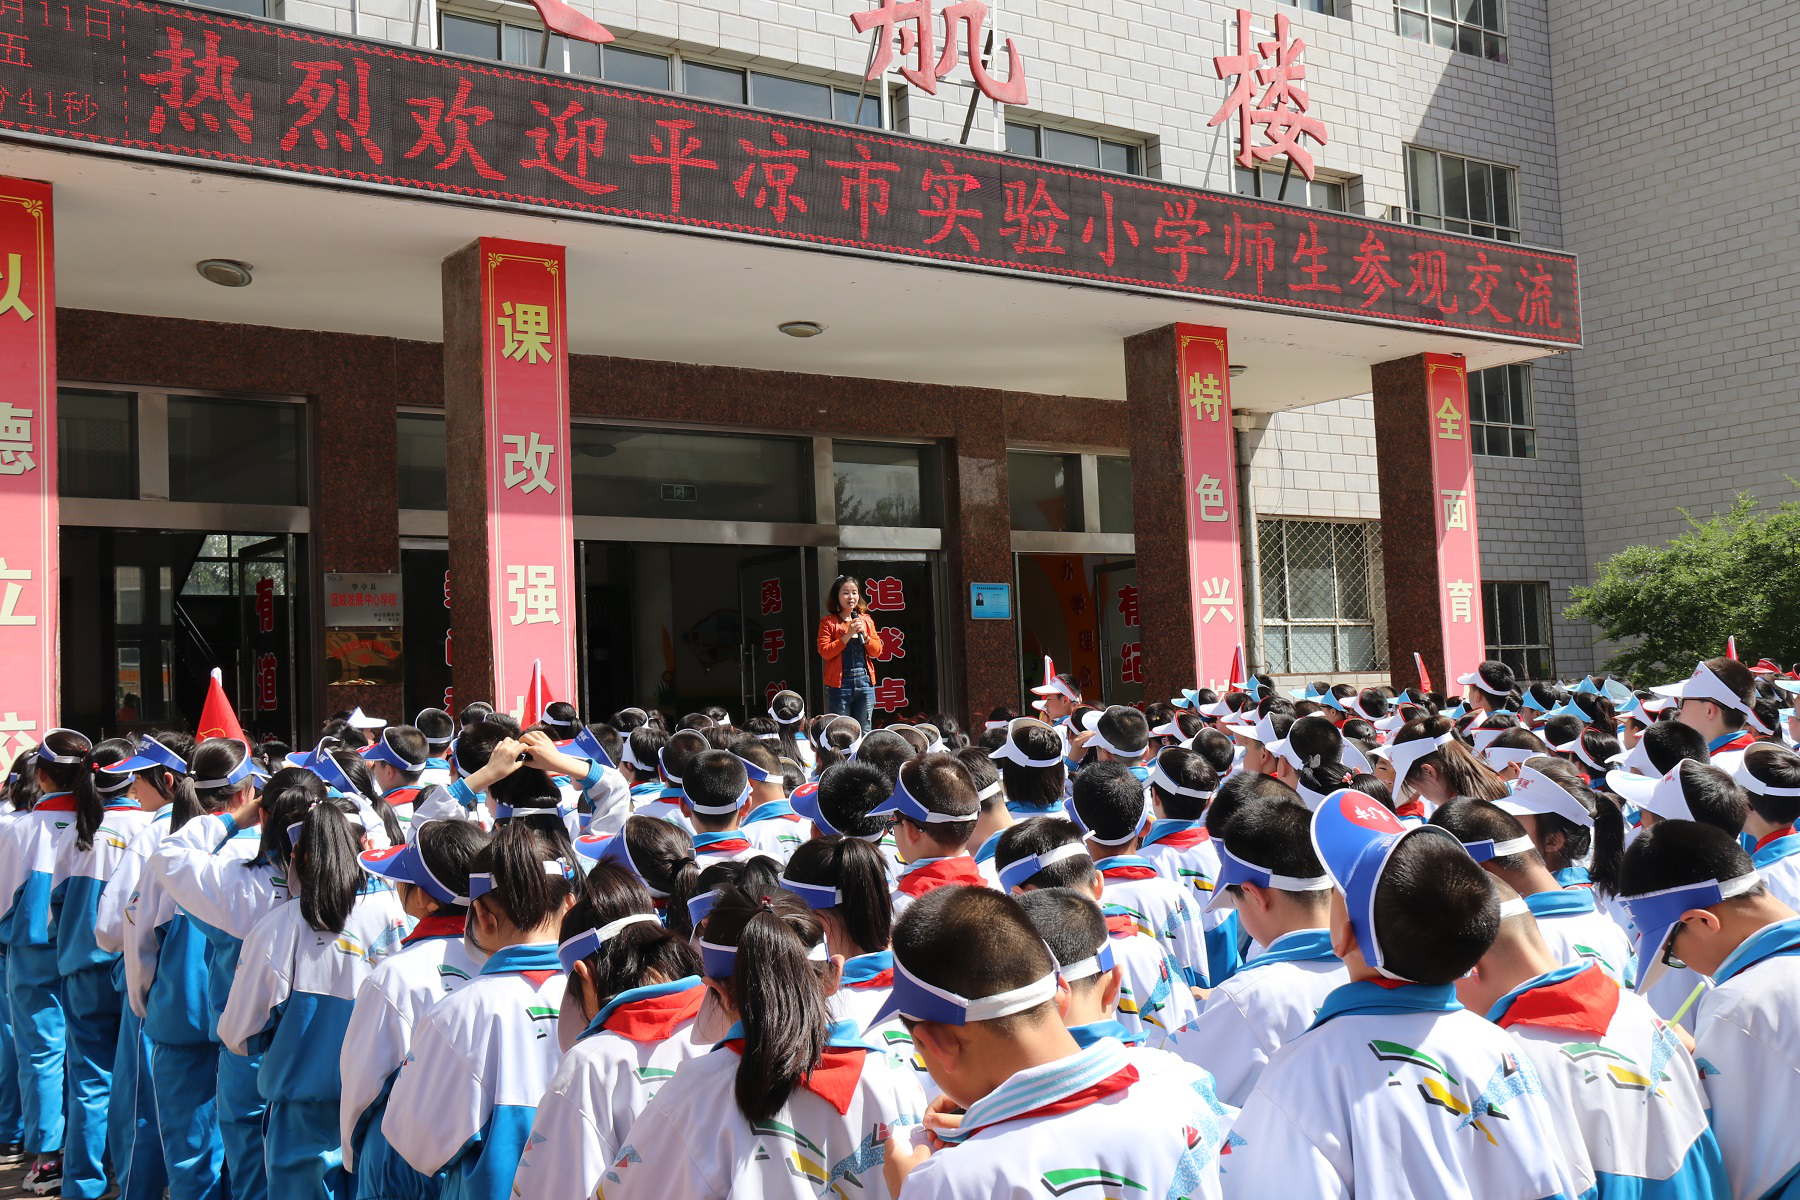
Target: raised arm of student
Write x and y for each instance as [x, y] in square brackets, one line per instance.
[211, 887]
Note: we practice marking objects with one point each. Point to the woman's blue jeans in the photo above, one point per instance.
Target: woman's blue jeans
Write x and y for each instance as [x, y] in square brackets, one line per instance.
[855, 699]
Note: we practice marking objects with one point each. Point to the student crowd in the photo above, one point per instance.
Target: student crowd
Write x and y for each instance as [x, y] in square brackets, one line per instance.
[1541, 943]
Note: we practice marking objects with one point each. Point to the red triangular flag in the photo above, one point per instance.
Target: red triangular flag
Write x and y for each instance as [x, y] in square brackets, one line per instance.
[537, 695]
[1236, 682]
[560, 18]
[1424, 675]
[217, 718]
[1731, 648]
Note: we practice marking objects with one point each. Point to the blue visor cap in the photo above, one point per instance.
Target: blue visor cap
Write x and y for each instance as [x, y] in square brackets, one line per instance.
[404, 864]
[613, 848]
[1656, 914]
[805, 803]
[587, 746]
[903, 804]
[1354, 835]
[720, 962]
[382, 752]
[1021, 871]
[326, 768]
[913, 998]
[589, 941]
[151, 753]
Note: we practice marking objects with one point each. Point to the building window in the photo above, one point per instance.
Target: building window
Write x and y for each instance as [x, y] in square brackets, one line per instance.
[618, 471]
[227, 451]
[250, 8]
[885, 485]
[1075, 149]
[1469, 26]
[1327, 8]
[96, 444]
[1518, 627]
[1113, 475]
[1321, 596]
[420, 457]
[1323, 193]
[1501, 421]
[801, 97]
[1045, 491]
[1445, 191]
[524, 45]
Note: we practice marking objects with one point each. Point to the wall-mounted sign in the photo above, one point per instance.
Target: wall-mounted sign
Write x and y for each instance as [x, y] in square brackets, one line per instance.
[684, 493]
[363, 657]
[990, 601]
[362, 601]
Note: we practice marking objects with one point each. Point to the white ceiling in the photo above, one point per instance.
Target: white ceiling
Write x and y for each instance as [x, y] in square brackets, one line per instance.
[128, 234]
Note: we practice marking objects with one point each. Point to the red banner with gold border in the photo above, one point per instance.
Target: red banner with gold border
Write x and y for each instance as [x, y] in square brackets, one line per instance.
[1209, 460]
[531, 527]
[28, 545]
[1453, 499]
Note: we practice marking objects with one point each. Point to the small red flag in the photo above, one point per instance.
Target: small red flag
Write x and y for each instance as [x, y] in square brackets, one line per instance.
[560, 18]
[1731, 648]
[217, 718]
[537, 695]
[1238, 677]
[1424, 675]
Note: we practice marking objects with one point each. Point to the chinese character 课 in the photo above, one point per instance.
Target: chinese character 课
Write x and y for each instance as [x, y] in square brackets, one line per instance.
[527, 332]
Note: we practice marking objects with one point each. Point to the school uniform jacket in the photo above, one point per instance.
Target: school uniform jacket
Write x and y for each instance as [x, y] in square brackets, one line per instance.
[1630, 1113]
[775, 829]
[828, 1139]
[84, 875]
[1747, 1046]
[29, 854]
[480, 1061]
[633, 1046]
[867, 981]
[728, 846]
[1154, 999]
[431, 963]
[1397, 1093]
[292, 994]
[1777, 859]
[1133, 888]
[1090, 1125]
[116, 920]
[1270, 1001]
[1576, 931]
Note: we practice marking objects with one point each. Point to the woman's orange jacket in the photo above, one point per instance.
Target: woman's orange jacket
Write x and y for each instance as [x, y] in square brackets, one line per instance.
[834, 635]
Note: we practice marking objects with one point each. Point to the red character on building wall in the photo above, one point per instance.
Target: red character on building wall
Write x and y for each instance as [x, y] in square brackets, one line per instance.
[772, 642]
[1131, 662]
[268, 692]
[771, 596]
[265, 605]
[1128, 604]
[885, 595]
[893, 644]
[1281, 111]
[890, 695]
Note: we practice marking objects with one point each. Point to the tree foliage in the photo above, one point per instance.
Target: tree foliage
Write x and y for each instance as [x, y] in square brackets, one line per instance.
[1736, 573]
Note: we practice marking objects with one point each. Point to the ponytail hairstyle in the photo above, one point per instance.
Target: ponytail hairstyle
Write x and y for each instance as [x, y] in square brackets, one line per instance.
[1316, 742]
[64, 743]
[287, 796]
[215, 758]
[1606, 839]
[448, 850]
[325, 866]
[1463, 774]
[1595, 747]
[22, 785]
[664, 853]
[637, 955]
[356, 770]
[524, 894]
[757, 874]
[865, 908]
[173, 788]
[560, 720]
[532, 796]
[788, 709]
[95, 786]
[835, 739]
[629, 720]
[774, 984]
[1598, 710]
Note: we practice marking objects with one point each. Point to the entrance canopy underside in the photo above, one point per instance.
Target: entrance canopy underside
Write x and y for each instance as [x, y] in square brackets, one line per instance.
[128, 234]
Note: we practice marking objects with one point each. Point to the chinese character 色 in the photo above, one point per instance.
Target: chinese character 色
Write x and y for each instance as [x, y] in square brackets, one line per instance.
[1211, 491]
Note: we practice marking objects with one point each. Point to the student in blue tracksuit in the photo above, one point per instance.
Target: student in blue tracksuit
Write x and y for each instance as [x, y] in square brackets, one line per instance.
[19, 795]
[297, 978]
[28, 927]
[107, 819]
[226, 874]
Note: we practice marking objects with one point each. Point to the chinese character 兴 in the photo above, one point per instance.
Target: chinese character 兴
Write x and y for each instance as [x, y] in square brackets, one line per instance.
[528, 462]
[532, 593]
[1216, 601]
[526, 333]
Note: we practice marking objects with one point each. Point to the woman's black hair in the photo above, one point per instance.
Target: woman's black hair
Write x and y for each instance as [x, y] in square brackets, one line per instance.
[90, 801]
[758, 875]
[175, 789]
[1463, 774]
[448, 849]
[65, 743]
[1373, 788]
[325, 866]
[634, 956]
[535, 802]
[1598, 710]
[950, 731]
[1546, 694]
[22, 785]
[777, 992]
[831, 595]
[524, 893]
[858, 871]
[287, 796]
[215, 758]
[1606, 839]
[1320, 747]
[663, 851]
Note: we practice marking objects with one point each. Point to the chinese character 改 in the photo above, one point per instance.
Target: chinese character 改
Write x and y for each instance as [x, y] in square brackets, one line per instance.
[1456, 508]
[526, 330]
[947, 187]
[885, 595]
[1131, 662]
[15, 440]
[16, 580]
[1032, 223]
[1113, 225]
[1371, 271]
[772, 642]
[771, 596]
[890, 695]
[893, 644]
[1206, 394]
[1211, 491]
[913, 22]
[779, 167]
[213, 76]
[1461, 595]
[1449, 419]
[583, 139]
[532, 593]
[1215, 600]
[528, 462]
[677, 153]
[1128, 604]
[1179, 224]
[315, 94]
[430, 114]
[1281, 110]
[870, 189]
[1251, 242]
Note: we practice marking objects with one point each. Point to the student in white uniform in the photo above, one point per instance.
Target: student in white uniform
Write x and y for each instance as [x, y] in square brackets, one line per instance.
[1770, 777]
[844, 882]
[843, 803]
[1396, 1089]
[1568, 823]
[1110, 806]
[1696, 895]
[630, 1019]
[466, 1095]
[1047, 852]
[1032, 771]
[430, 875]
[788, 710]
[297, 978]
[1631, 1114]
[1432, 766]
[396, 762]
[1270, 875]
[657, 852]
[1716, 701]
[935, 806]
[439, 730]
[790, 1104]
[1042, 1115]
[587, 775]
[1182, 783]
[715, 788]
[1570, 923]
[768, 820]
[671, 764]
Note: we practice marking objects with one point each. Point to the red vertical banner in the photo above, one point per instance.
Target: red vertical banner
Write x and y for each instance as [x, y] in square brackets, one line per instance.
[1209, 458]
[531, 527]
[1453, 498]
[28, 545]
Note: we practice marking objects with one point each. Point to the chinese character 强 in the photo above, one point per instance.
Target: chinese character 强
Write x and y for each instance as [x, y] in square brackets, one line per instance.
[1281, 110]
[15, 440]
[913, 21]
[212, 74]
[532, 593]
[528, 462]
[527, 333]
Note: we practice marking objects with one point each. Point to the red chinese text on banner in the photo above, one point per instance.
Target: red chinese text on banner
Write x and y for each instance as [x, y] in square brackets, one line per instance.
[1453, 494]
[531, 531]
[28, 544]
[1209, 460]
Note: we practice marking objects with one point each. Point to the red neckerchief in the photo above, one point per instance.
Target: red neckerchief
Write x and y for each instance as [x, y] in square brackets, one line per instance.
[440, 926]
[654, 1018]
[1784, 831]
[1122, 874]
[1117, 1082]
[1582, 1003]
[960, 869]
[1742, 741]
[406, 793]
[1412, 808]
[1120, 926]
[735, 845]
[62, 803]
[833, 1078]
[1185, 839]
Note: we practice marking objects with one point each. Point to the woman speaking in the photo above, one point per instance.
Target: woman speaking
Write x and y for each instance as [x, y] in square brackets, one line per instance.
[848, 642]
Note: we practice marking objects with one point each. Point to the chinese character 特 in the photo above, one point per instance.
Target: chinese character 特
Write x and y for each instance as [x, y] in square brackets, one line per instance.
[1206, 394]
[771, 596]
[10, 301]
[527, 332]
[1461, 593]
[871, 190]
[1281, 110]
[1131, 662]
[772, 642]
[677, 153]
[316, 94]
[890, 695]
[779, 167]
[885, 594]
[1128, 604]
[528, 462]
[1215, 600]
[213, 75]
[1456, 508]
[430, 114]
[1449, 419]
[15, 440]
[587, 140]
[1211, 491]
[912, 20]
[16, 580]
[532, 593]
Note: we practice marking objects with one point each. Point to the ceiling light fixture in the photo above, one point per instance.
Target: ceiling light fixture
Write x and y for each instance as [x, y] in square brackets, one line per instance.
[801, 329]
[1237, 369]
[226, 272]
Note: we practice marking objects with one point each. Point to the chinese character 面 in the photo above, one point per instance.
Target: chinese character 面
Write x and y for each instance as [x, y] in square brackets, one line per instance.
[1128, 604]
[1449, 419]
[913, 23]
[772, 642]
[1282, 108]
[15, 440]
[1460, 592]
[1215, 600]
[528, 462]
[1131, 662]
[527, 332]
[532, 593]
[1206, 394]
[890, 695]
[771, 596]
[677, 153]
[10, 302]
[16, 580]
[1211, 491]
[885, 594]
[1456, 508]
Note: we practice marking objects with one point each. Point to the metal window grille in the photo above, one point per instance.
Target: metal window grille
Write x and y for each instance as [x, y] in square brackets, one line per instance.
[1322, 596]
[1517, 616]
[1502, 422]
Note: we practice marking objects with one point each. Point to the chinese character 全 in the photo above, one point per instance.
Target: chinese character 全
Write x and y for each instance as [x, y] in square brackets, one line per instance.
[1449, 419]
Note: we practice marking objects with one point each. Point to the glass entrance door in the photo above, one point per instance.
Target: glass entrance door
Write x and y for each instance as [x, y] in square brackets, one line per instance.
[773, 613]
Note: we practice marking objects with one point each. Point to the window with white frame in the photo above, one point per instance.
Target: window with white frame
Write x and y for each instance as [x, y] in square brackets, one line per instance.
[1475, 27]
[1327, 8]
[1501, 421]
[1321, 192]
[1075, 149]
[1322, 606]
[1517, 616]
[1465, 195]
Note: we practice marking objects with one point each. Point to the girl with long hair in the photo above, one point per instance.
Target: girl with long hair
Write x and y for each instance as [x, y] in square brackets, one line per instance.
[844, 881]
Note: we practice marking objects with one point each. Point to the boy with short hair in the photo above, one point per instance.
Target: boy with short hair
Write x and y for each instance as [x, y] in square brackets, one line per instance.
[1108, 804]
[1698, 899]
[1271, 877]
[1182, 783]
[1716, 700]
[1396, 1090]
[977, 987]
[935, 806]
[1121, 735]
[396, 761]
[672, 758]
[1770, 777]
[714, 789]
[842, 804]
[769, 820]
[439, 730]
